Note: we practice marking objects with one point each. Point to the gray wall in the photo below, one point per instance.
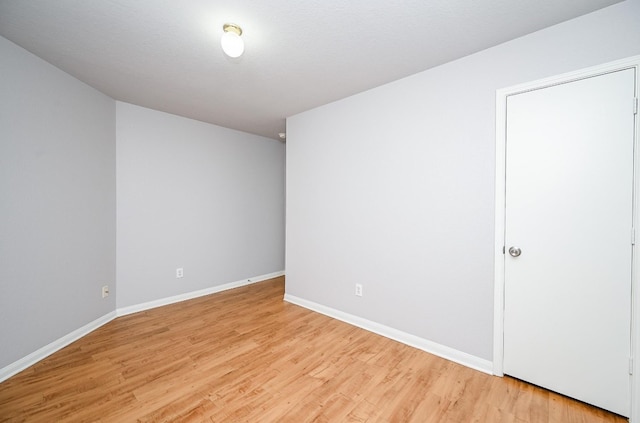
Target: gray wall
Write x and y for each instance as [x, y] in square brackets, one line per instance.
[57, 203]
[197, 196]
[190, 194]
[394, 188]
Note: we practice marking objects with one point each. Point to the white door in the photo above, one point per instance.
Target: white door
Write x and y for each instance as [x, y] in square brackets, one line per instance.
[569, 187]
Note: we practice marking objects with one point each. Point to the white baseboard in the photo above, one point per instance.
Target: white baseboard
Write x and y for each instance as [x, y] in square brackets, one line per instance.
[195, 294]
[47, 350]
[468, 360]
[58, 344]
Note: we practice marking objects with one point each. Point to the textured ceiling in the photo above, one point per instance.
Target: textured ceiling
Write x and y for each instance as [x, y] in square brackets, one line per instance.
[165, 54]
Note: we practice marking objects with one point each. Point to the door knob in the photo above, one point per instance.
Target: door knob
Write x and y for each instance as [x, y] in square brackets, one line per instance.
[515, 251]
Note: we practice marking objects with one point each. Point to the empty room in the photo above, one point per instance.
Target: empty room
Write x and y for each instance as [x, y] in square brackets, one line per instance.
[277, 211]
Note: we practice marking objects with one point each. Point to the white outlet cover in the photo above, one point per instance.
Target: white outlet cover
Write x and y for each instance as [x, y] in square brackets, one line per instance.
[359, 290]
[179, 272]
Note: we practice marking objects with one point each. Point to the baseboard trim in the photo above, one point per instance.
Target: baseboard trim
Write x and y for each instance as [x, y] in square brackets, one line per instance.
[123, 311]
[448, 353]
[31, 359]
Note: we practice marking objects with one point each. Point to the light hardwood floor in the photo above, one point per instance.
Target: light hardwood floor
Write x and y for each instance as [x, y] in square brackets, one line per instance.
[245, 355]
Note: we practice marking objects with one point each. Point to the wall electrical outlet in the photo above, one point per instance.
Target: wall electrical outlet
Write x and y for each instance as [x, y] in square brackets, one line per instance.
[105, 291]
[179, 272]
[359, 290]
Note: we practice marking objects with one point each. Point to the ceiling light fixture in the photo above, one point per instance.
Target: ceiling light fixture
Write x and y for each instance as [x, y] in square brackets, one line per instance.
[232, 44]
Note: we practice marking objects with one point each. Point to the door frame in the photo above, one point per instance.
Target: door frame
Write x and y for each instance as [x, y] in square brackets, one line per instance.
[499, 256]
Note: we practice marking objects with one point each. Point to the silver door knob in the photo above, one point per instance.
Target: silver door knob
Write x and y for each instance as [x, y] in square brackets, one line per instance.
[515, 251]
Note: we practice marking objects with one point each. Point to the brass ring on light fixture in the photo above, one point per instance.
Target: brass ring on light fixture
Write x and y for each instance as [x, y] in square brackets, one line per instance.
[230, 27]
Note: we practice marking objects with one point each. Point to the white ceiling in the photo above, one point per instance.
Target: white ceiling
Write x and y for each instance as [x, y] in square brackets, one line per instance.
[165, 54]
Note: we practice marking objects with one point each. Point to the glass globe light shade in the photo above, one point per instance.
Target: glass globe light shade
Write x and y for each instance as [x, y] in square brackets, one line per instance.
[232, 44]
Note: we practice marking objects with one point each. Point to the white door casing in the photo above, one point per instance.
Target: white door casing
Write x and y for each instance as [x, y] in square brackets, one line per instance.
[555, 250]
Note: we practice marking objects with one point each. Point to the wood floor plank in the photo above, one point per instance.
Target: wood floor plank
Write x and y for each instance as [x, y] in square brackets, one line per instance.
[245, 355]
